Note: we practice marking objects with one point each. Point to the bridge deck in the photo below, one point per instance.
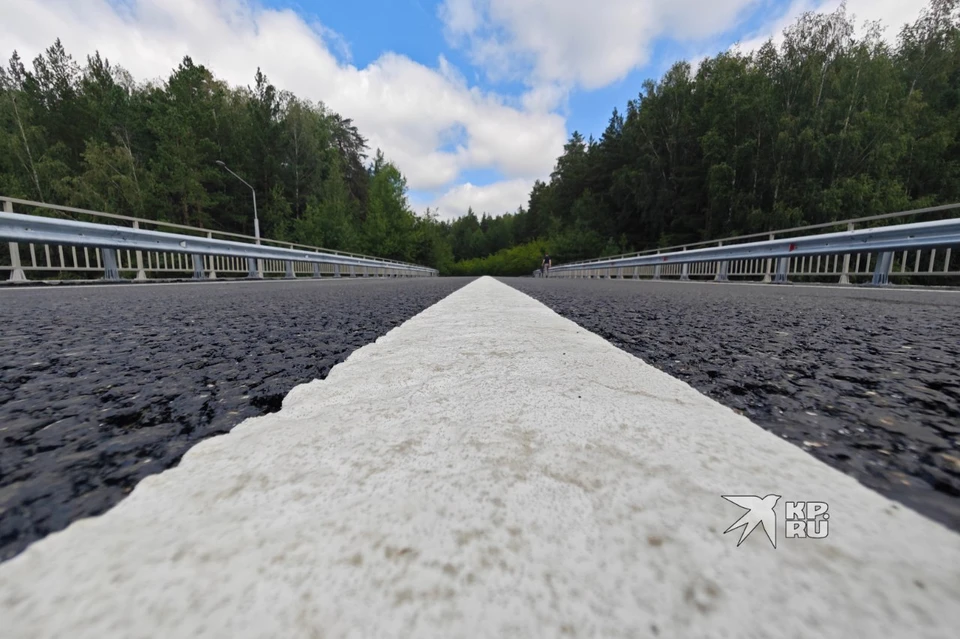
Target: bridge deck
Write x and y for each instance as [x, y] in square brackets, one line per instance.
[487, 469]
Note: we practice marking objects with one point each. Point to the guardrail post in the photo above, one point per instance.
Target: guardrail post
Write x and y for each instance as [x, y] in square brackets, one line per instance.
[722, 267]
[141, 274]
[289, 274]
[353, 271]
[766, 272]
[783, 268]
[619, 272]
[16, 269]
[722, 270]
[213, 264]
[336, 270]
[252, 272]
[110, 270]
[685, 272]
[845, 275]
[881, 274]
[316, 270]
[656, 272]
[197, 266]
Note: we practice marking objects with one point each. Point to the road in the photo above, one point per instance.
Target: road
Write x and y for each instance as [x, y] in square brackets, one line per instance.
[865, 380]
[491, 469]
[103, 386]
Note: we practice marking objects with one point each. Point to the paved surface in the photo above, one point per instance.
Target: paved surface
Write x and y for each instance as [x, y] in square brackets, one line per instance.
[867, 381]
[101, 387]
[521, 477]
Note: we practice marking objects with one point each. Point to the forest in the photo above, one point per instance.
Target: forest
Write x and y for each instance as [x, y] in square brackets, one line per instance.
[828, 122]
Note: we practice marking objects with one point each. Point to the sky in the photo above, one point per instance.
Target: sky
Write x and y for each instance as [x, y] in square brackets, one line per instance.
[472, 99]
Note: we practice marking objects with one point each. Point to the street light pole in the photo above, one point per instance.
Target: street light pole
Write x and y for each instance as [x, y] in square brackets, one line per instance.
[256, 221]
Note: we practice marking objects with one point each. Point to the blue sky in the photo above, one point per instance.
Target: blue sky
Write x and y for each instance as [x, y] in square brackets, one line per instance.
[371, 28]
[472, 99]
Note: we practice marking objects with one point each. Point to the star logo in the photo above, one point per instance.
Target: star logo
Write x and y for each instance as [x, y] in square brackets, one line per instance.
[760, 512]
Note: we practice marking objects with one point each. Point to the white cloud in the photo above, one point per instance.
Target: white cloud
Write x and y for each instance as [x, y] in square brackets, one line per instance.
[461, 16]
[493, 199]
[403, 107]
[544, 98]
[576, 43]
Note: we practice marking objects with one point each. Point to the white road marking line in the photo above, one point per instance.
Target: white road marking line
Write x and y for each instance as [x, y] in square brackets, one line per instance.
[487, 469]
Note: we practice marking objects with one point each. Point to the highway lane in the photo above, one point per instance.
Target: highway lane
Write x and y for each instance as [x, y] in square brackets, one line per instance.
[102, 386]
[488, 469]
[867, 381]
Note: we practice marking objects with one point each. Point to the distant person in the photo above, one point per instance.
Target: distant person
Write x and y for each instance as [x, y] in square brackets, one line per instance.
[545, 265]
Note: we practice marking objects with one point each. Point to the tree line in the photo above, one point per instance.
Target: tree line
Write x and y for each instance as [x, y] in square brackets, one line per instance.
[90, 136]
[822, 126]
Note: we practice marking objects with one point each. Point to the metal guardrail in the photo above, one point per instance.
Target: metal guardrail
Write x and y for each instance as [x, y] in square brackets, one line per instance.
[895, 251]
[116, 249]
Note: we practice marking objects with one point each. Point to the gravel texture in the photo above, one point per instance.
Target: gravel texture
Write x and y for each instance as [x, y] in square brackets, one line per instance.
[865, 380]
[100, 387]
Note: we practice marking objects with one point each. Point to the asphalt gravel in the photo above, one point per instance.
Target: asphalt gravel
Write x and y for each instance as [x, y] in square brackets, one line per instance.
[866, 380]
[101, 387]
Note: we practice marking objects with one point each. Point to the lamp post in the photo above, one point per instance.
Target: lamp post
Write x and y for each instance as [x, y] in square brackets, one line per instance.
[256, 222]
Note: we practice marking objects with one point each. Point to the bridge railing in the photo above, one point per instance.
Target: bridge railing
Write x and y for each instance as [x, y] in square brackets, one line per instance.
[917, 249]
[43, 244]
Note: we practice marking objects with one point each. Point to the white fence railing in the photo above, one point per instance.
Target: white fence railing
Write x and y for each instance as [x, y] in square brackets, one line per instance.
[38, 244]
[917, 249]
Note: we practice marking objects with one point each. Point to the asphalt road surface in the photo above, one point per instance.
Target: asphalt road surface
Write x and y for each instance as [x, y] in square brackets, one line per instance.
[867, 381]
[100, 387]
